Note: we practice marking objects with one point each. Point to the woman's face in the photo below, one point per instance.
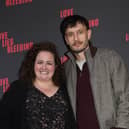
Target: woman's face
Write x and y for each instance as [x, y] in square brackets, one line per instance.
[44, 66]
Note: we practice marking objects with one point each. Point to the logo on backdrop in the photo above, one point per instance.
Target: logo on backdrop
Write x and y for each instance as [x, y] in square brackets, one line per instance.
[127, 37]
[4, 83]
[11, 47]
[63, 59]
[69, 12]
[16, 2]
[66, 12]
[93, 22]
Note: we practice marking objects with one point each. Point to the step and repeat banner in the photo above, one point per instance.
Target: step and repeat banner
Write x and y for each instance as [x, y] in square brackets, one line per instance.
[25, 22]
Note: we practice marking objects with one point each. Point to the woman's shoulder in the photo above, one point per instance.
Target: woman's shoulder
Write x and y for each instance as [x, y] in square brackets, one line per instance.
[18, 82]
[17, 87]
[15, 93]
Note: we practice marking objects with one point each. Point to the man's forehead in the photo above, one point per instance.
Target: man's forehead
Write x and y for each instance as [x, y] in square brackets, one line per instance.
[76, 26]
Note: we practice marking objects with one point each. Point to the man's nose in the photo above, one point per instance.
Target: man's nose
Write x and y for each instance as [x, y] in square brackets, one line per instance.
[75, 36]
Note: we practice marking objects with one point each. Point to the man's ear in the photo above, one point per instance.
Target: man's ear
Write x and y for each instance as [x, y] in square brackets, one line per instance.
[66, 40]
[89, 34]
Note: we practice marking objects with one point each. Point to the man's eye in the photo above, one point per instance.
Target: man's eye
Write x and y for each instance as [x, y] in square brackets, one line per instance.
[80, 32]
[70, 34]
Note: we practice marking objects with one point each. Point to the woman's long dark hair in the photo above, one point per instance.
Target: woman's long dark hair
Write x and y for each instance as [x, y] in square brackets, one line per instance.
[26, 71]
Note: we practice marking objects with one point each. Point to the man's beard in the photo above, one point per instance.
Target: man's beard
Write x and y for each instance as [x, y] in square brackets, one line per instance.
[81, 50]
[78, 51]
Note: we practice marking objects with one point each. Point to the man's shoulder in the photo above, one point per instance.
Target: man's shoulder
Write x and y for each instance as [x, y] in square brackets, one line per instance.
[108, 55]
[107, 52]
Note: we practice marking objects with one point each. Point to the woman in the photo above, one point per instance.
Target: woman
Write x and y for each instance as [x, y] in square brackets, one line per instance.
[38, 100]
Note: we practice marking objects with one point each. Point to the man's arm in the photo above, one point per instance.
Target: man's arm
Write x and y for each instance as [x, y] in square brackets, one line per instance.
[120, 80]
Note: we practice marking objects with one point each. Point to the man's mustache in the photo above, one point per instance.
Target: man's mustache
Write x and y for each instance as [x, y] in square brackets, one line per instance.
[77, 42]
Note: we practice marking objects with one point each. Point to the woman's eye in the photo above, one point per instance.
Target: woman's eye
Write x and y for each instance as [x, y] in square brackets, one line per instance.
[49, 63]
[40, 62]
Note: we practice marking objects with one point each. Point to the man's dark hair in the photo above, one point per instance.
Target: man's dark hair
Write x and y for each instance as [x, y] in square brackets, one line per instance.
[71, 21]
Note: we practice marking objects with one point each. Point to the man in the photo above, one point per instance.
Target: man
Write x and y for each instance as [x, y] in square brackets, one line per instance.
[97, 79]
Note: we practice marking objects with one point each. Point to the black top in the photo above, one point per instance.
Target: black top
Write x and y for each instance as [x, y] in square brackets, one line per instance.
[14, 107]
[43, 112]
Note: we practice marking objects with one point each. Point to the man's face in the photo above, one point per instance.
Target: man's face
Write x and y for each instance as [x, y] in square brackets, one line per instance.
[77, 37]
